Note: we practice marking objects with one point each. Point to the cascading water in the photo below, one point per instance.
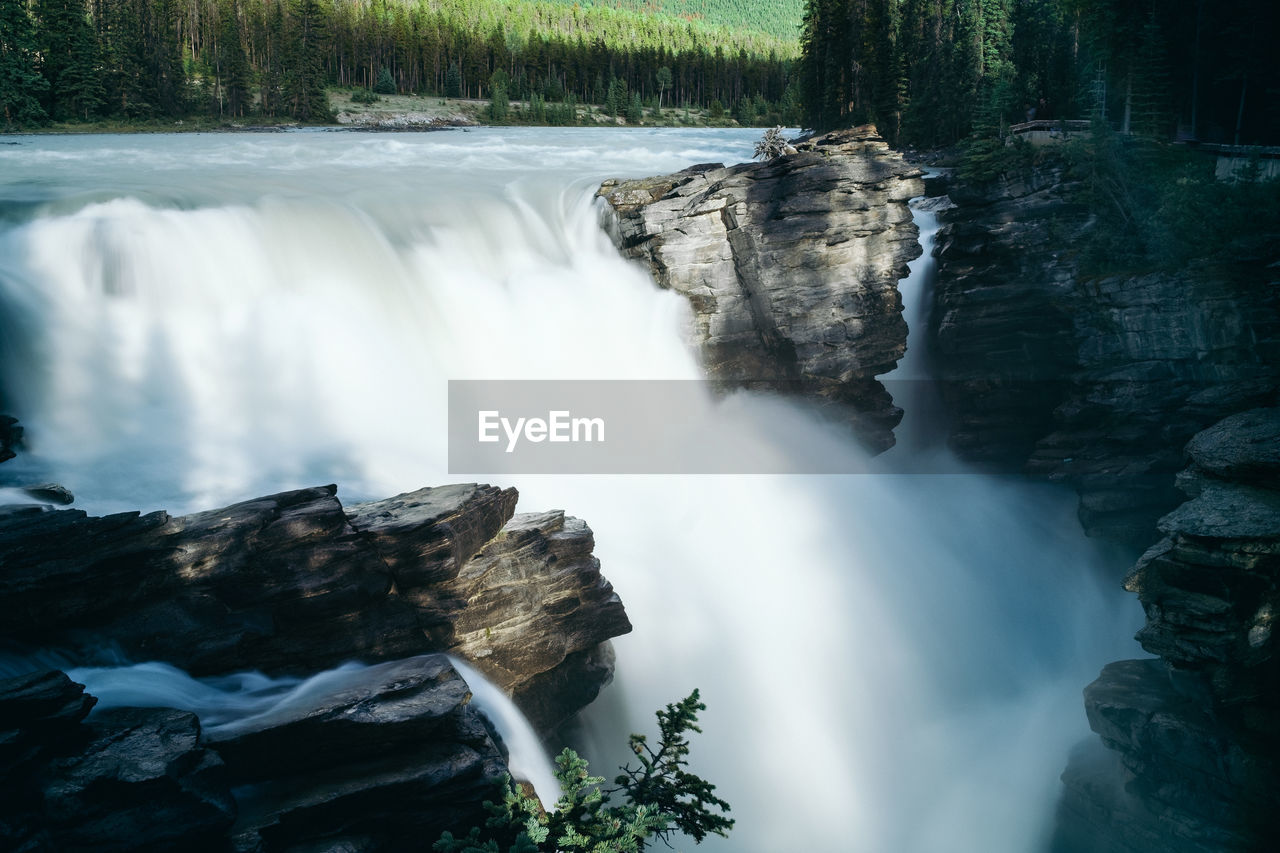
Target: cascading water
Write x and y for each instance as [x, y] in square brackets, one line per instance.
[891, 662]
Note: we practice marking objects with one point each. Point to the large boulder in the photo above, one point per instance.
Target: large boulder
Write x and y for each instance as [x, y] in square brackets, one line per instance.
[790, 266]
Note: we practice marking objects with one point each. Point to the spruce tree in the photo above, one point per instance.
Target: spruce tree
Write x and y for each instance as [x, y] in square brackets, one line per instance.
[233, 66]
[68, 59]
[304, 82]
[385, 84]
[453, 82]
[20, 83]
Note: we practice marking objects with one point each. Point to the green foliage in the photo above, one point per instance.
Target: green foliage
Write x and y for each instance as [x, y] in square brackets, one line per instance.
[499, 105]
[364, 96]
[68, 59]
[1157, 206]
[716, 110]
[20, 83]
[655, 800]
[453, 82]
[772, 144]
[232, 63]
[385, 85]
[635, 110]
[777, 18]
[304, 78]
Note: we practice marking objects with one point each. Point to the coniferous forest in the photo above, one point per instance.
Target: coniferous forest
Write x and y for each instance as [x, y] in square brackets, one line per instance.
[929, 72]
[81, 60]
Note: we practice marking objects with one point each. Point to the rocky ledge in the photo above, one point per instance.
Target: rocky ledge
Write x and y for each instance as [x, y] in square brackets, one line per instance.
[295, 583]
[1192, 758]
[386, 758]
[790, 266]
[1095, 381]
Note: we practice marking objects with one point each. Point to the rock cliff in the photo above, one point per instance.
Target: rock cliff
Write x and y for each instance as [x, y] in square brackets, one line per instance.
[296, 583]
[790, 266]
[1096, 381]
[1194, 735]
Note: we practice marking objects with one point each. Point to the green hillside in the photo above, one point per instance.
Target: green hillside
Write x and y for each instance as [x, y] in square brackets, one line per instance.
[777, 18]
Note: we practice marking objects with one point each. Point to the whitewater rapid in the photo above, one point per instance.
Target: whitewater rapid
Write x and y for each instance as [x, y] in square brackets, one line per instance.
[890, 662]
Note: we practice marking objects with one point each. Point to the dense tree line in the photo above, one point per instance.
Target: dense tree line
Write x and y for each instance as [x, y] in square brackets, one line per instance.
[780, 18]
[929, 72]
[138, 59]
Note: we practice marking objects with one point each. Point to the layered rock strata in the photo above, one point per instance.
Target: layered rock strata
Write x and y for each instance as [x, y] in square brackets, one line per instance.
[1097, 381]
[127, 779]
[790, 266]
[1194, 734]
[296, 583]
[383, 758]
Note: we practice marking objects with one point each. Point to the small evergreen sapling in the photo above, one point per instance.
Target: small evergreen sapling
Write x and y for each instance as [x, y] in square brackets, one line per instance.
[659, 798]
[771, 145]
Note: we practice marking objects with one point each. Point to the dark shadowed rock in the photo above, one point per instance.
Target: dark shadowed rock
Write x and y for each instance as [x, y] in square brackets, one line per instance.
[387, 756]
[10, 437]
[1096, 381]
[50, 493]
[296, 583]
[1196, 732]
[790, 265]
[141, 782]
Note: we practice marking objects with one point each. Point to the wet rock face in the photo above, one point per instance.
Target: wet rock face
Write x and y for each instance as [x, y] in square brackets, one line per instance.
[1197, 731]
[127, 779]
[377, 758]
[296, 583]
[1098, 382]
[790, 266]
[389, 756]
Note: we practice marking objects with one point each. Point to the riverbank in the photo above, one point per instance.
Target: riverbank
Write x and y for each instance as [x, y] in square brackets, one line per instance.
[397, 112]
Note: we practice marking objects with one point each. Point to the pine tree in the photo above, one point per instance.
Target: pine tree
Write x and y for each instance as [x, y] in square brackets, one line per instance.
[385, 85]
[635, 109]
[453, 82]
[68, 59]
[233, 66]
[20, 83]
[304, 83]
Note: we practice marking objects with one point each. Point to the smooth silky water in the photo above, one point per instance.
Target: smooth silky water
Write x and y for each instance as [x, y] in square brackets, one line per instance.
[891, 662]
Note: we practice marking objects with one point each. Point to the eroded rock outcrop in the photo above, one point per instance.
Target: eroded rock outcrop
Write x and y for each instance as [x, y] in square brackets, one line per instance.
[1097, 381]
[376, 758]
[125, 779]
[1195, 733]
[296, 583]
[790, 266]
[382, 758]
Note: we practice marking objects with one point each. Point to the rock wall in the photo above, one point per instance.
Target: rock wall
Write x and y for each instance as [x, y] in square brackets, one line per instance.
[790, 266]
[1098, 382]
[296, 583]
[1194, 735]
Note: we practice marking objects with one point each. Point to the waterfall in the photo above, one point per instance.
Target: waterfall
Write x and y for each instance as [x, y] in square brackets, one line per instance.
[891, 662]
